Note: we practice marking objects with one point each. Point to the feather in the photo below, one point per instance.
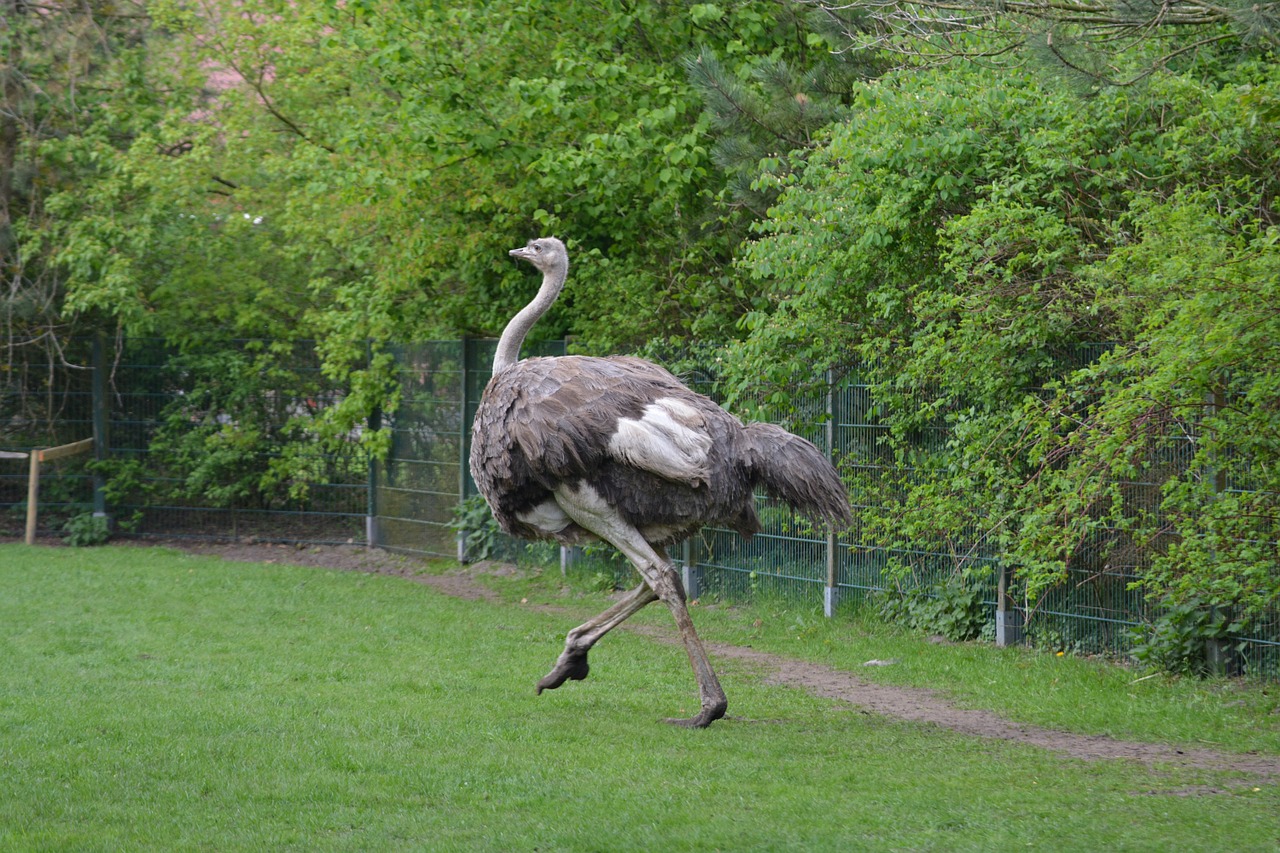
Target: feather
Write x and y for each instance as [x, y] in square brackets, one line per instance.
[662, 455]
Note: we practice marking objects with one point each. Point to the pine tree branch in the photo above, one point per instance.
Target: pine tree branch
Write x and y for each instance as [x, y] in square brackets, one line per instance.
[709, 76]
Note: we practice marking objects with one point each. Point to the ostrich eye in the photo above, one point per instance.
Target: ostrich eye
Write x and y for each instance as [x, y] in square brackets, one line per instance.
[537, 248]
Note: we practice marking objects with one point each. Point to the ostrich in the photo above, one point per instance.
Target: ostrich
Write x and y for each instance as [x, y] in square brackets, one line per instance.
[575, 448]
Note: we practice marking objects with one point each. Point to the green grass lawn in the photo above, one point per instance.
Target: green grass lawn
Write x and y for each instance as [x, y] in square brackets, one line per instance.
[155, 700]
[1078, 694]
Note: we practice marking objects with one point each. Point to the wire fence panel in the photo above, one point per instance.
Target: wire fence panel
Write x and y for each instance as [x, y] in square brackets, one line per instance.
[211, 442]
[194, 444]
[419, 485]
[426, 475]
[224, 444]
[44, 403]
[1097, 608]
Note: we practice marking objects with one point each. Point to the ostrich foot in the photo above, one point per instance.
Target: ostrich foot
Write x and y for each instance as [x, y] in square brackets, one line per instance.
[705, 717]
[569, 666]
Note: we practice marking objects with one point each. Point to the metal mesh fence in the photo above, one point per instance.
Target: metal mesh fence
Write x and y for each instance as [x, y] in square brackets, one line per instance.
[194, 444]
[418, 487]
[426, 475]
[206, 445]
[1096, 609]
[189, 436]
[44, 403]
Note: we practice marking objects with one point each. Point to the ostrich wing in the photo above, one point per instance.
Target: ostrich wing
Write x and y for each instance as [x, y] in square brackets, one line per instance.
[567, 416]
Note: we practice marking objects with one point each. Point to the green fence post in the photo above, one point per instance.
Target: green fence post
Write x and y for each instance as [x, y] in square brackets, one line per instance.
[469, 367]
[690, 571]
[101, 424]
[1009, 627]
[464, 434]
[371, 536]
[831, 593]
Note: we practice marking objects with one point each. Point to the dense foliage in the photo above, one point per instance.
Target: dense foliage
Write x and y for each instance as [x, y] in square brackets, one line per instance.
[1078, 288]
[74, 78]
[356, 171]
[1077, 279]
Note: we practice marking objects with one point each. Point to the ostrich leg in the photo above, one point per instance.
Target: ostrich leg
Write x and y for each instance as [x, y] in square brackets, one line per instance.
[573, 660]
[585, 506]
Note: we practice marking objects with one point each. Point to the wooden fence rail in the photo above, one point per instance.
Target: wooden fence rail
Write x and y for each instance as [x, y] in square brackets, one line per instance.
[37, 457]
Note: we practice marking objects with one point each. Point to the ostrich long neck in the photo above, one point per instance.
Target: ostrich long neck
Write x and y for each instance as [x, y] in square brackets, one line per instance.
[513, 335]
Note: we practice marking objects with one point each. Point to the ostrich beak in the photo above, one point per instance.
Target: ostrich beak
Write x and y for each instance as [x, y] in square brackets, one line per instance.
[524, 252]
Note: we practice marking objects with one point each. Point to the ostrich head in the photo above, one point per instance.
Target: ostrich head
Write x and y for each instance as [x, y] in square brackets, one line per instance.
[545, 253]
[551, 258]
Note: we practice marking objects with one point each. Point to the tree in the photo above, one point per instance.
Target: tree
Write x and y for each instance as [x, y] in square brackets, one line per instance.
[766, 111]
[360, 170]
[1071, 287]
[357, 171]
[73, 77]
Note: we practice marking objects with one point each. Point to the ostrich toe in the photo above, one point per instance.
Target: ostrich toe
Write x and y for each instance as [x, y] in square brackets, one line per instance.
[570, 666]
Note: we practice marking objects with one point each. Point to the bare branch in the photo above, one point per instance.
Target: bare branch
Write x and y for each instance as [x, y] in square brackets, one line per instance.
[926, 31]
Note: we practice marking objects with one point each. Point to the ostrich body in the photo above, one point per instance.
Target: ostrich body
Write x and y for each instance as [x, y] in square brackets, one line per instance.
[617, 449]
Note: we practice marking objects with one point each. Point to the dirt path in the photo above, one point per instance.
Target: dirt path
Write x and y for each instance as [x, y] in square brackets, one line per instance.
[926, 706]
[903, 703]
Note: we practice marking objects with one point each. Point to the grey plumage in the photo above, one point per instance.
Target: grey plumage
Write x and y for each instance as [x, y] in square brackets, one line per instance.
[546, 421]
[617, 448]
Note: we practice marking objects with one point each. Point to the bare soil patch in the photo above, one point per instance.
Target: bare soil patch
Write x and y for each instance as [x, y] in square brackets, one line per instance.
[913, 704]
[926, 706]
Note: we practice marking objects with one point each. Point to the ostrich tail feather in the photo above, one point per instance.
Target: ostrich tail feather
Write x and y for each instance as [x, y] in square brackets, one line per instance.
[788, 467]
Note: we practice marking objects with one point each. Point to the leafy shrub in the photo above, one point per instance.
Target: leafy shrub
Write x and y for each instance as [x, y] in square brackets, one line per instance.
[938, 237]
[1177, 642]
[481, 535]
[538, 554]
[953, 608]
[86, 529]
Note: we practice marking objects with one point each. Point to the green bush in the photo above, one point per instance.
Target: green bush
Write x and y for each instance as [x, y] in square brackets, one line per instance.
[1177, 642]
[481, 536]
[86, 529]
[953, 608]
[966, 221]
